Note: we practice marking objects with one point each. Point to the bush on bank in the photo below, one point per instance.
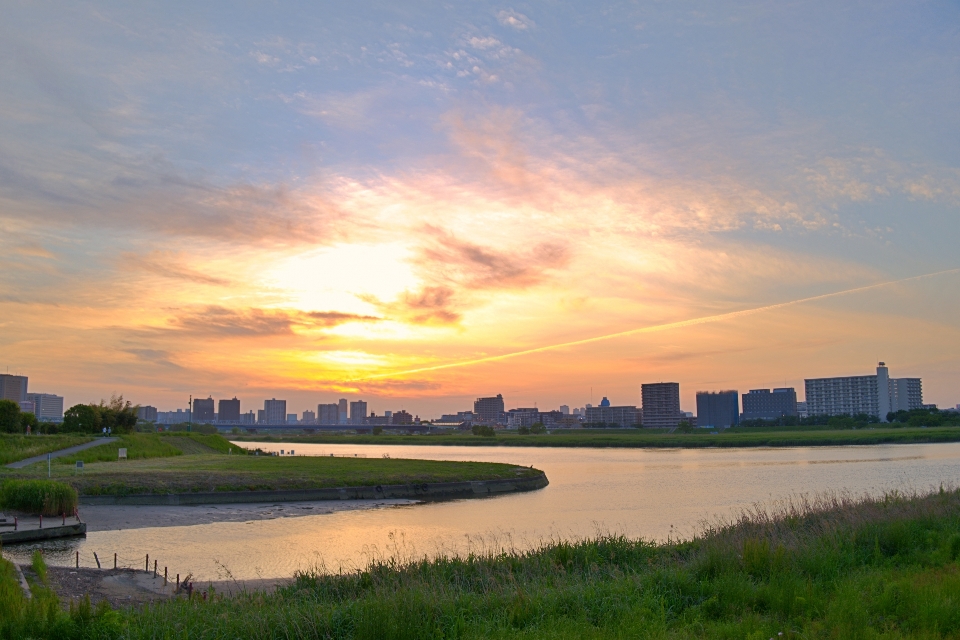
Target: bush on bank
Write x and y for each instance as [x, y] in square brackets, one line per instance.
[38, 497]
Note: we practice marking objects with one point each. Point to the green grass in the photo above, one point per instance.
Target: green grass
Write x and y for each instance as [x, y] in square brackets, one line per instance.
[210, 442]
[830, 568]
[142, 446]
[15, 447]
[218, 472]
[640, 438]
[38, 497]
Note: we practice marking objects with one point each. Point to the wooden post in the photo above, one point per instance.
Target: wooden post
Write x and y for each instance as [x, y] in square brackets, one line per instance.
[154, 568]
[78, 559]
[164, 576]
[146, 565]
[41, 521]
[97, 558]
[64, 516]
[178, 583]
[114, 561]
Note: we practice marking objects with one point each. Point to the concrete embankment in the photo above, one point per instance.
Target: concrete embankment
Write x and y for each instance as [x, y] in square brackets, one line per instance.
[426, 491]
[49, 533]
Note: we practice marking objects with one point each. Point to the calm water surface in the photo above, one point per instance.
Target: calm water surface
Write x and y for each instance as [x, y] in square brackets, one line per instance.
[639, 492]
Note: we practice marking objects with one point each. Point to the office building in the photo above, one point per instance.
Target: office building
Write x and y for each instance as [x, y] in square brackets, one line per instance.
[522, 417]
[173, 417]
[875, 395]
[802, 408]
[401, 417]
[203, 410]
[309, 417]
[292, 418]
[761, 404]
[342, 417]
[261, 416]
[275, 411]
[248, 418]
[228, 410]
[358, 412]
[13, 388]
[48, 407]
[564, 409]
[718, 409]
[328, 414]
[622, 416]
[661, 404]
[489, 409]
[147, 413]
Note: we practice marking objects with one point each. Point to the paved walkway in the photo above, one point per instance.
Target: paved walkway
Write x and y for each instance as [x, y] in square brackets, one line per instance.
[62, 452]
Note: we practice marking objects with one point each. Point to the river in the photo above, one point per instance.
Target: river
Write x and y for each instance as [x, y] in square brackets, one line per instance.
[649, 493]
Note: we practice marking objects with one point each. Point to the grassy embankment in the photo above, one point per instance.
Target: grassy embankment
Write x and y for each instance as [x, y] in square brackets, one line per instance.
[885, 568]
[190, 463]
[15, 447]
[773, 437]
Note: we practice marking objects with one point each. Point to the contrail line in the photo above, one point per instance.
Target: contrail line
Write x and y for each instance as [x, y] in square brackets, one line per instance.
[655, 328]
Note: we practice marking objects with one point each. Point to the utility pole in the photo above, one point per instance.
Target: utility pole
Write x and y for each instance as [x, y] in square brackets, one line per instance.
[190, 416]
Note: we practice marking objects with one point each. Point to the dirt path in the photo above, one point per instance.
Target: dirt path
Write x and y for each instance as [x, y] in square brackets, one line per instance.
[134, 588]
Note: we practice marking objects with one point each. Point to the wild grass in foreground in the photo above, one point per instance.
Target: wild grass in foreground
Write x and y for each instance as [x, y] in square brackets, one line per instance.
[38, 497]
[831, 567]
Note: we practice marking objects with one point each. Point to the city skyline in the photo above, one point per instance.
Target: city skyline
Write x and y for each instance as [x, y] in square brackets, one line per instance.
[329, 204]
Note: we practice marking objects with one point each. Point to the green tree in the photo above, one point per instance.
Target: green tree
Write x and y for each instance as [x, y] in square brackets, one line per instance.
[9, 416]
[524, 431]
[28, 419]
[685, 426]
[537, 428]
[82, 418]
[377, 430]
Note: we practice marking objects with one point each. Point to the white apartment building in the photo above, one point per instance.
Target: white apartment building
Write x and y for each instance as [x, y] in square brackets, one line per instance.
[875, 395]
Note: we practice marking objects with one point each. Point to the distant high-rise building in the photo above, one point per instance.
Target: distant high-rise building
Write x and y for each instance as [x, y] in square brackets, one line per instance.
[328, 414]
[309, 417]
[261, 416]
[342, 416]
[802, 408]
[661, 404]
[228, 410]
[401, 417]
[604, 402]
[489, 409]
[358, 412]
[564, 409]
[761, 404]
[248, 418]
[147, 413]
[292, 418]
[875, 395]
[203, 410]
[275, 411]
[13, 388]
[718, 409]
[48, 407]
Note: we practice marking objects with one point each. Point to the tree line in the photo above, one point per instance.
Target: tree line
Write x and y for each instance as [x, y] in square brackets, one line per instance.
[117, 414]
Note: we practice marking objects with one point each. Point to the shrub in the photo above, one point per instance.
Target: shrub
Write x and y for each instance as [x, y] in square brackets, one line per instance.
[483, 430]
[9, 416]
[38, 497]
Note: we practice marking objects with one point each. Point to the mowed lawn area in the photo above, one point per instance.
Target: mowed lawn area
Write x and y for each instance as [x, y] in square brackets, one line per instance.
[640, 438]
[219, 472]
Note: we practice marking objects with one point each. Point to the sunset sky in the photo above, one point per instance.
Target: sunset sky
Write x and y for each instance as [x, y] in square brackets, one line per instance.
[320, 200]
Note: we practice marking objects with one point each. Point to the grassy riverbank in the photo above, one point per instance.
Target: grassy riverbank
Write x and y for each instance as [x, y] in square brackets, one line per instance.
[14, 447]
[883, 568]
[640, 438]
[218, 472]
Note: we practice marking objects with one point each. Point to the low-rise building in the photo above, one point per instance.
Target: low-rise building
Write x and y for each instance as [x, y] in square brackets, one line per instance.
[622, 416]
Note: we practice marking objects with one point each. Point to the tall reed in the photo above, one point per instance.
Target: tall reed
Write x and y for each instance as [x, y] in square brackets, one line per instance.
[38, 497]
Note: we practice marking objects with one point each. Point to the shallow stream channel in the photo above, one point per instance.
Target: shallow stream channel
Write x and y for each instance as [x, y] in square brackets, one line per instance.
[649, 493]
